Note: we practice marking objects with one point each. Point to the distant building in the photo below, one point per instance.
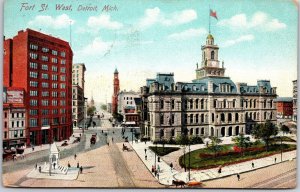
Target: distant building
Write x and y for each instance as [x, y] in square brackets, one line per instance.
[284, 107]
[78, 82]
[42, 65]
[78, 75]
[77, 105]
[210, 105]
[116, 85]
[295, 95]
[14, 127]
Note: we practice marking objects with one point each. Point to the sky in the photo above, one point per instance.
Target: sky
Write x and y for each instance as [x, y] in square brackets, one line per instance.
[257, 39]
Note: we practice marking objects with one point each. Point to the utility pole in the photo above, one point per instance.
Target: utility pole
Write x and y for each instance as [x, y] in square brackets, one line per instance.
[189, 161]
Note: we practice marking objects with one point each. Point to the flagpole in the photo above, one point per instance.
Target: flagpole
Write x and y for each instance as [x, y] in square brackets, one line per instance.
[209, 19]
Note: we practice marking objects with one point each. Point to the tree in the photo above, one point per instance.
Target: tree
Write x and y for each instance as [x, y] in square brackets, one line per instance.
[215, 144]
[285, 129]
[104, 107]
[264, 131]
[91, 110]
[242, 142]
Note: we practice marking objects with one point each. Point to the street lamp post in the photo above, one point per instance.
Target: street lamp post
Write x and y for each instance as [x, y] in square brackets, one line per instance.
[281, 142]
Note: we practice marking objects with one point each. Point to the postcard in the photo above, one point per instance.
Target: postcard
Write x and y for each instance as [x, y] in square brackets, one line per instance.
[150, 94]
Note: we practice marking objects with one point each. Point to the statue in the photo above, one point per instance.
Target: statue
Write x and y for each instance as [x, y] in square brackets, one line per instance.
[222, 64]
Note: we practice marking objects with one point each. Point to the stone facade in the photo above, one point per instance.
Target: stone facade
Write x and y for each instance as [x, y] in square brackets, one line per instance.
[77, 104]
[211, 105]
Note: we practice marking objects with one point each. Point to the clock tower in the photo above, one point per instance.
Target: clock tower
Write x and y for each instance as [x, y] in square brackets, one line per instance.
[210, 65]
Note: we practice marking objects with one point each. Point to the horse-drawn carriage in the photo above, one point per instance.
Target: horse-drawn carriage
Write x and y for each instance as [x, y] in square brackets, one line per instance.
[12, 154]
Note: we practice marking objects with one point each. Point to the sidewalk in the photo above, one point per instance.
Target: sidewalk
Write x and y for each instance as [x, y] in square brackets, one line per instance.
[166, 175]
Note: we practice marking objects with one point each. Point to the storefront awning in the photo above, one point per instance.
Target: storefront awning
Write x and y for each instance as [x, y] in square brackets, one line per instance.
[45, 127]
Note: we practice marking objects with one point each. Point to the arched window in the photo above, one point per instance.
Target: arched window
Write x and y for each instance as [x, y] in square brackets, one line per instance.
[191, 131]
[161, 133]
[202, 131]
[173, 132]
[212, 55]
[233, 103]
[197, 131]
[202, 104]
[229, 117]
[236, 117]
[222, 117]
[212, 117]
[215, 103]
[224, 103]
[197, 103]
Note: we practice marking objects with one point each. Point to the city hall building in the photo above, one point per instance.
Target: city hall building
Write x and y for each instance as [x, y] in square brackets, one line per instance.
[210, 105]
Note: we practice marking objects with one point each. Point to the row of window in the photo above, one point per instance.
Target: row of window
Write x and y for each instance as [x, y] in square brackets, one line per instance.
[16, 133]
[46, 111]
[45, 102]
[35, 47]
[45, 121]
[16, 124]
[44, 58]
[46, 85]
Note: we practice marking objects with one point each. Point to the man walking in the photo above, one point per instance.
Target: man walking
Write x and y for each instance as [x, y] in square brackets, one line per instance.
[171, 165]
[75, 156]
[275, 160]
[238, 176]
[252, 165]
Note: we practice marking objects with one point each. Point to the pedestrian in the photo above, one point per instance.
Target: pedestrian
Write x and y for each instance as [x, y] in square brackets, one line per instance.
[112, 139]
[275, 159]
[158, 168]
[238, 176]
[252, 165]
[146, 157]
[40, 169]
[54, 164]
[155, 172]
[36, 166]
[75, 156]
[69, 165]
[145, 142]
[220, 170]
[152, 169]
[157, 176]
[171, 165]
[32, 147]
[145, 150]
[113, 132]
[77, 164]
[80, 169]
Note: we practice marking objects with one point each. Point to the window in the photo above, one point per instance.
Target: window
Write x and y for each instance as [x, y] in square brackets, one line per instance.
[12, 124]
[45, 58]
[185, 118]
[15, 133]
[45, 112]
[45, 67]
[63, 70]
[33, 55]
[45, 76]
[63, 54]
[33, 102]
[54, 68]
[197, 118]
[191, 118]
[62, 103]
[54, 85]
[63, 61]
[63, 94]
[197, 103]
[45, 121]
[45, 102]
[18, 124]
[33, 112]
[54, 60]
[45, 50]
[21, 133]
[215, 103]
[45, 85]
[54, 52]
[161, 103]
[54, 94]
[173, 104]
[63, 78]
[33, 46]
[212, 55]
[55, 111]
[202, 104]
[5, 134]
[5, 124]
[22, 123]
[54, 102]
[62, 86]
[32, 122]
[33, 93]
[161, 119]
[5, 115]
[33, 65]
[45, 94]
[33, 74]
[62, 111]
[54, 78]
[172, 119]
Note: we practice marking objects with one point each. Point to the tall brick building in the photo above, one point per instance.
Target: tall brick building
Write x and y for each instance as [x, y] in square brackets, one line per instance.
[42, 65]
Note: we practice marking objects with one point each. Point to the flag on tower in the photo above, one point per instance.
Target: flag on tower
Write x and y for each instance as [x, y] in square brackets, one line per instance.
[213, 14]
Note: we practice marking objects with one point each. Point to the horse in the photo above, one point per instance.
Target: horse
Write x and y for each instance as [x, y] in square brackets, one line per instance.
[178, 182]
